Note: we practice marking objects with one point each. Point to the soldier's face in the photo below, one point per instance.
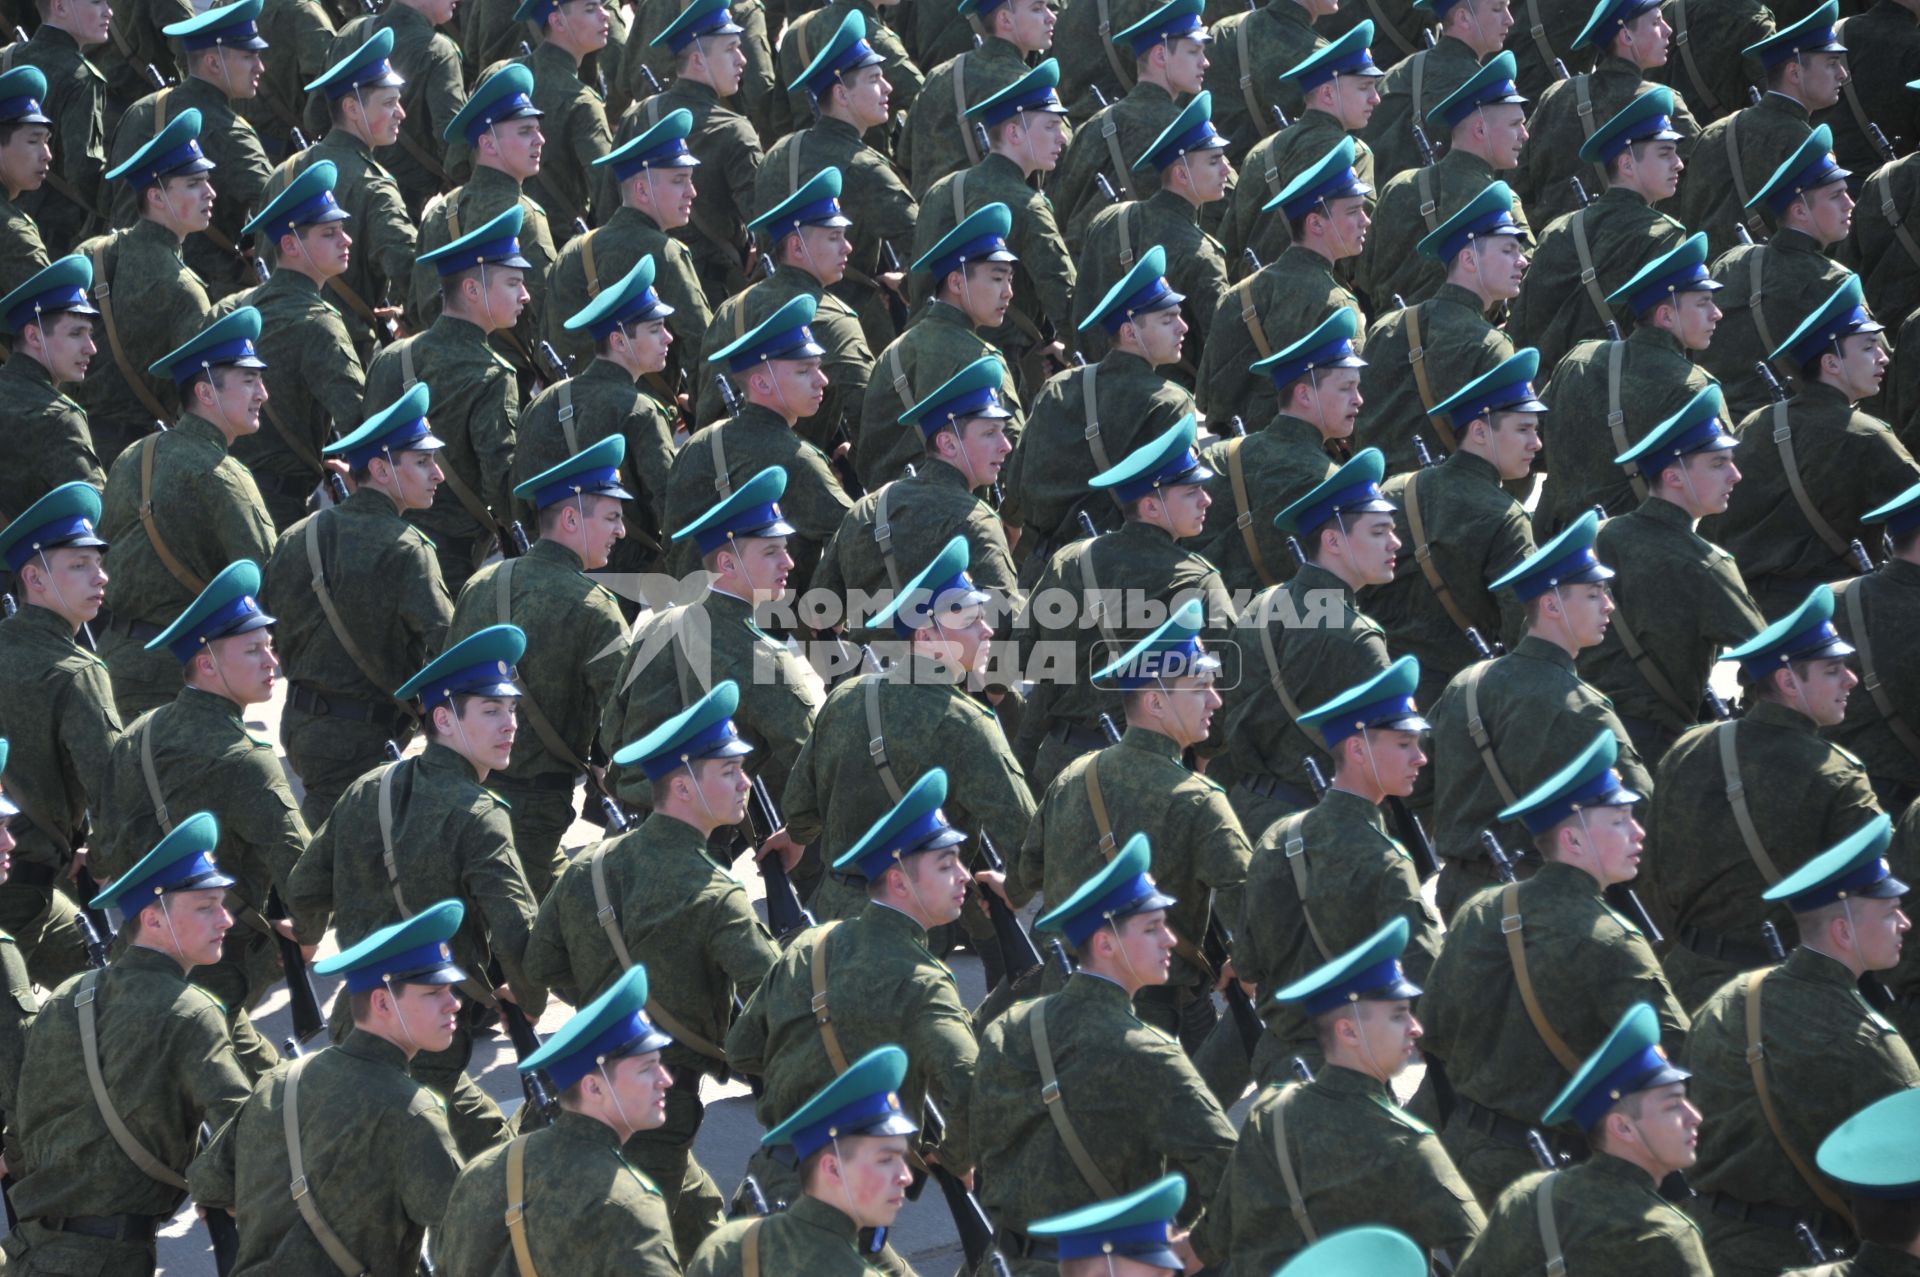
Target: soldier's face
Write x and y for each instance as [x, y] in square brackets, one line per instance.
[1184, 507]
[26, 157]
[640, 1083]
[1830, 212]
[1046, 139]
[724, 785]
[237, 395]
[1186, 64]
[381, 113]
[429, 1012]
[647, 343]
[1369, 543]
[1584, 611]
[64, 344]
[1668, 1126]
[1695, 316]
[1389, 1035]
[868, 1175]
[504, 297]
[963, 641]
[1611, 841]
[1347, 222]
[237, 71]
[936, 884]
[759, 567]
[604, 524]
[327, 246]
[195, 921]
[1879, 931]
[583, 24]
[1160, 333]
[1208, 173]
[184, 204]
[1187, 704]
[864, 96]
[823, 252]
[1821, 78]
[1822, 694]
[1644, 41]
[1031, 24]
[1862, 365]
[1504, 126]
[87, 21]
[666, 195]
[1651, 168]
[986, 292]
[1485, 25]
[1145, 942]
[243, 667]
[1354, 99]
[797, 385]
[725, 62]
[69, 580]
[980, 450]
[1501, 263]
[439, 12]
[515, 145]
[1708, 484]
[416, 477]
[1515, 439]
[1397, 758]
[1332, 401]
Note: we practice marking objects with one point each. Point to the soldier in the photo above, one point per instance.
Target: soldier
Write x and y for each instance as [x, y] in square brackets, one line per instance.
[1326, 212]
[570, 32]
[362, 93]
[973, 270]
[1585, 256]
[59, 707]
[810, 248]
[1128, 1236]
[144, 262]
[1560, 964]
[442, 836]
[180, 508]
[63, 207]
[1806, 69]
[1485, 120]
[841, 988]
[299, 36]
[223, 65]
[1346, 531]
[1815, 1039]
[315, 390]
[50, 323]
[1874, 727]
[1360, 1155]
[1318, 381]
[1525, 711]
[1630, 1103]
[573, 626]
[1041, 1154]
[1814, 465]
[1807, 203]
[708, 65]
[1715, 84]
[26, 134]
[373, 1155]
[1650, 370]
[1084, 417]
[429, 61]
[1253, 50]
[1167, 50]
[1009, 31]
[1870, 1156]
[606, 1062]
[1655, 660]
[1337, 83]
[1194, 173]
[655, 172]
[790, 108]
[1448, 339]
[654, 900]
[1795, 680]
[159, 1064]
[758, 84]
[349, 638]
[474, 389]
[1629, 39]
[1446, 586]
[628, 324]
[500, 126]
[1471, 31]
[852, 1145]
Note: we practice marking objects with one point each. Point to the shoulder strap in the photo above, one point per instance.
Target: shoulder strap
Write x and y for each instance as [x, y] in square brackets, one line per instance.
[386, 838]
[1109, 847]
[337, 1251]
[1293, 845]
[317, 571]
[408, 377]
[883, 537]
[793, 160]
[1429, 207]
[160, 110]
[1511, 926]
[1589, 277]
[1110, 134]
[103, 299]
[897, 373]
[517, 1207]
[1419, 85]
[150, 1166]
[1279, 682]
[151, 774]
[1056, 1107]
[722, 481]
[1383, 25]
[1549, 1227]
[1783, 440]
[1756, 262]
[586, 262]
[1423, 555]
[529, 705]
[750, 1249]
[829, 1038]
[295, 444]
[1477, 728]
[877, 737]
[565, 389]
[1254, 114]
[1617, 416]
[1296, 1202]
[1243, 510]
[1650, 669]
[1417, 359]
[1890, 211]
[1682, 42]
[1737, 799]
[1090, 405]
[959, 193]
[1250, 316]
[1869, 675]
[1583, 107]
[1537, 28]
[1125, 73]
[1852, 94]
[1755, 226]
[1096, 605]
[1757, 1061]
[168, 559]
[603, 911]
[960, 109]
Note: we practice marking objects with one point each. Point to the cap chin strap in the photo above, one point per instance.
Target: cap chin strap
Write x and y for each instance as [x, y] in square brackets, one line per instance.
[386, 982]
[54, 580]
[899, 862]
[846, 1192]
[1800, 691]
[214, 656]
[699, 791]
[618, 1107]
[1173, 704]
[1686, 477]
[179, 950]
[461, 730]
[1373, 1061]
[1366, 743]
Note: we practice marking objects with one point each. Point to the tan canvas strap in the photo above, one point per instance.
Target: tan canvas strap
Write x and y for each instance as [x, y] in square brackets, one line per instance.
[160, 110]
[793, 161]
[1423, 555]
[1589, 277]
[1296, 1201]
[1243, 510]
[453, 221]
[1512, 926]
[1417, 360]
[469, 500]
[1549, 1226]
[1090, 406]
[1869, 675]
[168, 559]
[959, 193]
[1383, 25]
[1279, 682]
[829, 1038]
[517, 1206]
[1852, 95]
[1682, 41]
[1783, 440]
[1617, 416]
[1755, 261]
[1251, 317]
[529, 706]
[1104, 8]
[1126, 236]
[1419, 85]
[877, 738]
[355, 303]
[603, 911]
[566, 415]
[960, 110]
[1537, 28]
[1429, 206]
[295, 444]
[1477, 728]
[302, 1191]
[1109, 846]
[1293, 845]
[1056, 1106]
[1583, 108]
[424, 158]
[151, 775]
[348, 643]
[386, 839]
[1096, 605]
[1891, 212]
[883, 536]
[1755, 227]
[586, 262]
[750, 1249]
[1757, 1061]
[1110, 134]
[1649, 669]
[1737, 799]
[408, 377]
[1262, 125]
[150, 1166]
[103, 299]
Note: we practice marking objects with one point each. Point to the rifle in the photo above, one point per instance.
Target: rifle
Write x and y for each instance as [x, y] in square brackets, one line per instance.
[1579, 192]
[580, 226]
[550, 362]
[1716, 706]
[653, 81]
[514, 543]
[1301, 1070]
[756, 1198]
[1880, 142]
[1106, 188]
[896, 304]
[154, 77]
[8, 605]
[90, 940]
[1098, 96]
[727, 397]
[1541, 1153]
[1253, 260]
[1280, 120]
[1753, 96]
[1861, 558]
[1775, 391]
[766, 266]
[1613, 334]
[1741, 233]
[302, 1002]
[969, 1217]
[1770, 936]
[1427, 37]
[1502, 866]
[785, 914]
[1420, 450]
[1816, 1254]
[1479, 644]
[1315, 777]
[525, 1042]
[1016, 946]
[1426, 147]
[1400, 303]
[222, 1231]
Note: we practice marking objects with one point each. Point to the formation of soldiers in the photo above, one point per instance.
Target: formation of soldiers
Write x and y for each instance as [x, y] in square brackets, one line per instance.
[1263, 494]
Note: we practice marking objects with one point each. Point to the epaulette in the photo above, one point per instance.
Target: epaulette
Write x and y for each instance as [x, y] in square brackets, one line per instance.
[534, 204]
[1878, 1021]
[504, 804]
[218, 1005]
[1847, 754]
[425, 1100]
[262, 741]
[1401, 1116]
[1620, 918]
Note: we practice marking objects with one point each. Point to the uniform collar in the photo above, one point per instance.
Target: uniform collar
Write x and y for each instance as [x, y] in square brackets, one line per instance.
[892, 920]
[339, 135]
[1001, 161]
[762, 417]
[1620, 195]
[459, 329]
[137, 957]
[1090, 986]
[1819, 393]
[943, 312]
[578, 1126]
[485, 177]
[1474, 464]
[367, 499]
[292, 281]
[794, 277]
[549, 56]
[373, 1048]
[1311, 576]
[1559, 878]
[673, 834]
[1792, 240]
[194, 426]
[1178, 205]
[812, 1212]
[1141, 530]
[1125, 361]
[553, 551]
[1771, 713]
[198, 700]
[1805, 964]
[1289, 429]
[1658, 338]
[1536, 648]
[831, 124]
[44, 618]
[1454, 293]
[1664, 512]
[1342, 803]
[25, 367]
[1336, 1079]
[699, 90]
[147, 228]
[443, 760]
[1793, 108]
[1148, 741]
[628, 213]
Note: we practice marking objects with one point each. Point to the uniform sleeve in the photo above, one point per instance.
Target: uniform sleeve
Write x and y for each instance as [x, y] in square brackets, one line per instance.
[309, 887]
[746, 1043]
[215, 1085]
[89, 727]
[801, 800]
[244, 169]
[446, 93]
[1509, 544]
[1043, 254]
[494, 881]
[330, 371]
[81, 128]
[941, 1045]
[388, 235]
[1191, 1132]
[816, 505]
[425, 1161]
[232, 502]
[69, 451]
[210, 1176]
[546, 960]
[738, 942]
[265, 817]
[490, 428]
[426, 606]
[589, 137]
[1220, 850]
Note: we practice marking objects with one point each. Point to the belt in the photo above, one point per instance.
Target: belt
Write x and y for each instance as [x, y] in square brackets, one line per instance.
[1044, 1250]
[1709, 945]
[1264, 786]
[32, 875]
[1772, 1216]
[1478, 1117]
[116, 1228]
[351, 708]
[140, 632]
[1078, 736]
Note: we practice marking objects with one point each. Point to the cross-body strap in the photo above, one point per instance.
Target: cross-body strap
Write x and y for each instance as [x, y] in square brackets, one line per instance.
[609, 920]
[1556, 1265]
[1274, 676]
[1891, 211]
[386, 838]
[1682, 41]
[1417, 360]
[1109, 846]
[1482, 738]
[1852, 94]
[1650, 669]
[1293, 846]
[1056, 1106]
[1419, 85]
[150, 1166]
[793, 160]
[1869, 675]
[1110, 134]
[586, 262]
[1583, 108]
[897, 373]
[717, 448]
[817, 968]
[750, 1249]
[959, 193]
[530, 706]
[1125, 73]
[1755, 226]
[1790, 464]
[1243, 509]
[103, 300]
[302, 1191]
[877, 737]
[517, 1206]
[1130, 209]
[1757, 1061]
[1247, 95]
[168, 559]
[1096, 605]
[565, 389]
[1617, 415]
[1090, 408]
[1511, 925]
[1383, 25]
[151, 774]
[960, 109]
[1589, 277]
[1737, 799]
[1296, 1201]
[1250, 316]
[883, 535]
[1423, 555]
[1537, 28]
[318, 573]
[1429, 207]
[1756, 263]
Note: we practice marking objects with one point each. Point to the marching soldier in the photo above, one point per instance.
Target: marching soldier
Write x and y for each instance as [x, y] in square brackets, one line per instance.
[1447, 339]
[937, 139]
[1655, 660]
[1884, 43]
[442, 836]
[1875, 728]
[1251, 53]
[475, 394]
[1870, 1155]
[606, 1063]
[370, 1147]
[50, 323]
[1800, 1029]
[1650, 371]
[1708, 897]
[26, 142]
[570, 31]
[314, 392]
[104, 1148]
[299, 36]
[1353, 1155]
[655, 900]
[1064, 1083]
[63, 207]
[789, 108]
[1630, 1103]
[1702, 67]
[1471, 31]
[429, 61]
[1560, 964]
[350, 636]
[758, 84]
[58, 705]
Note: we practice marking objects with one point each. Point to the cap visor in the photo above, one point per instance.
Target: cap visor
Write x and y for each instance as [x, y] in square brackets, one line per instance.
[516, 261]
[778, 528]
[204, 882]
[444, 973]
[1888, 888]
[500, 690]
[1404, 723]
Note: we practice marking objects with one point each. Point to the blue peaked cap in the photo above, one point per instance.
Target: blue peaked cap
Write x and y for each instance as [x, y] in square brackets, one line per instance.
[1804, 634]
[1507, 387]
[1488, 214]
[480, 664]
[752, 510]
[700, 18]
[974, 391]
[67, 516]
[785, 334]
[1352, 489]
[612, 1026]
[1842, 314]
[1330, 178]
[1370, 971]
[1811, 165]
[1351, 54]
[1491, 85]
[1142, 290]
[229, 605]
[848, 50]
[1812, 34]
[1695, 428]
[1901, 515]
[496, 243]
[1855, 866]
[914, 826]
[1165, 462]
[1173, 650]
[1384, 701]
[401, 426]
[230, 26]
[412, 951]
[305, 201]
[816, 203]
[1329, 345]
[1568, 559]
[701, 731]
[181, 861]
[61, 287]
[1630, 1060]
[1682, 269]
[940, 587]
[1191, 130]
[1121, 888]
[1588, 781]
[1034, 91]
[227, 340]
[366, 67]
[23, 96]
[1139, 1225]
[864, 1100]
[593, 471]
[631, 301]
[980, 236]
[172, 152]
[662, 146]
[507, 94]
